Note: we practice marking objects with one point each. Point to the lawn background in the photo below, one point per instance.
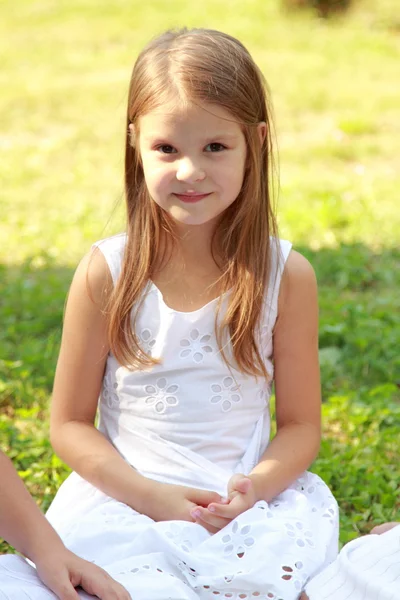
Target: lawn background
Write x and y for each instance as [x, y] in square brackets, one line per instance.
[336, 94]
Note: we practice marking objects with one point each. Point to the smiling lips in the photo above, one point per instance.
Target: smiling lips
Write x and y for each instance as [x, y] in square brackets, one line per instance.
[191, 197]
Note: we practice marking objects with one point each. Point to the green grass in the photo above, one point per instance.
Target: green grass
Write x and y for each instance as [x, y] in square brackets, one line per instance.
[64, 79]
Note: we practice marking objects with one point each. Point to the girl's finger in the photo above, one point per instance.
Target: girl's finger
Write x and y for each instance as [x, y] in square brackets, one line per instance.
[207, 526]
[234, 481]
[65, 591]
[224, 501]
[203, 497]
[227, 511]
[205, 516]
[243, 485]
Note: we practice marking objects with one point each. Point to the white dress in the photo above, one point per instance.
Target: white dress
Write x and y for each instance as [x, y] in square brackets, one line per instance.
[190, 421]
[367, 568]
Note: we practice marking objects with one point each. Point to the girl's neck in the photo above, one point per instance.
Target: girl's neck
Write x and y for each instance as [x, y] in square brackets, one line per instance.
[189, 279]
[193, 245]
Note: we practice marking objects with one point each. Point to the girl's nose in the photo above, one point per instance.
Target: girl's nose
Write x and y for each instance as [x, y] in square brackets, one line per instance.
[190, 172]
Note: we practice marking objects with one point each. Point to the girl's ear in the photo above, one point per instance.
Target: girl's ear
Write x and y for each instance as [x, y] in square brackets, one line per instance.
[132, 135]
[262, 131]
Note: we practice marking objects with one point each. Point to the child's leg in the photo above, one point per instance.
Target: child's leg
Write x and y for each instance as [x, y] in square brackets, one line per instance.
[303, 596]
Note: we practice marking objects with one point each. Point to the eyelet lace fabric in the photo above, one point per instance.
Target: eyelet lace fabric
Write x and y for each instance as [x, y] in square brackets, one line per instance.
[253, 557]
[189, 421]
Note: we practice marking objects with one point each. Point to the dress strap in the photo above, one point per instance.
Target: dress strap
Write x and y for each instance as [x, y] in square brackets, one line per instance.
[280, 251]
[112, 249]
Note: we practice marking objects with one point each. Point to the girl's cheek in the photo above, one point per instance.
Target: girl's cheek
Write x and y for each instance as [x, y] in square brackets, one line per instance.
[164, 177]
[157, 174]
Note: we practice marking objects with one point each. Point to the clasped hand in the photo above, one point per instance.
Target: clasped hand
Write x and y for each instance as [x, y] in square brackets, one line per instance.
[169, 502]
[217, 515]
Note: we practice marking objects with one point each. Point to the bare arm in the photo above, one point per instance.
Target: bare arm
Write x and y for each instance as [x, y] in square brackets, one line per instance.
[297, 383]
[77, 386]
[24, 526]
[21, 522]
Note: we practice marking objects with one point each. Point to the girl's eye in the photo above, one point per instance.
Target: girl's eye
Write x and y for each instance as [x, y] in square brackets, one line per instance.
[166, 149]
[215, 147]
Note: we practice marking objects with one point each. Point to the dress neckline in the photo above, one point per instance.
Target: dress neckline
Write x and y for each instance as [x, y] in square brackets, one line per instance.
[187, 312]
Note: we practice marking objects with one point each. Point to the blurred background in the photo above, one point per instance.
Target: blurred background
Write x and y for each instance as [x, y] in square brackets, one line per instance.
[333, 67]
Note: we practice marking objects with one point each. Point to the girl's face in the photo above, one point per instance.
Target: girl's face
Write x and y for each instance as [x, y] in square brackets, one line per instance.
[193, 160]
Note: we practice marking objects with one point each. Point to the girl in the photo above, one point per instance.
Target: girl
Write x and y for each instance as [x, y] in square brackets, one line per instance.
[181, 325]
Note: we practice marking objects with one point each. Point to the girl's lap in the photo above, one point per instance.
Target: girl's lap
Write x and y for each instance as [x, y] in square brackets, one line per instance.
[292, 535]
[269, 550]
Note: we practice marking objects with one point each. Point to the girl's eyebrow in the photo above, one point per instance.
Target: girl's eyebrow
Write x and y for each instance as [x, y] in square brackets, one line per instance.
[156, 138]
[219, 136]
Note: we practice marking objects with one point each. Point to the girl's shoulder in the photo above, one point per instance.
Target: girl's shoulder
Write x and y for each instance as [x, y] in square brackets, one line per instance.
[298, 283]
[289, 262]
[298, 268]
[291, 274]
[112, 249]
[112, 243]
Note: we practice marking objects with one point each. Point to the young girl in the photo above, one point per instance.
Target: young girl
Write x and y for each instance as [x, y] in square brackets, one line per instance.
[181, 325]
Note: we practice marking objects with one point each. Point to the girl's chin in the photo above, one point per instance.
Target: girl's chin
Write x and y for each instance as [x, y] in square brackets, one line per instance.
[185, 217]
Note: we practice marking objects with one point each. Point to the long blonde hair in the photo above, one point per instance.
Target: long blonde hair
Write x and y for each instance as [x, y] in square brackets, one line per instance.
[205, 66]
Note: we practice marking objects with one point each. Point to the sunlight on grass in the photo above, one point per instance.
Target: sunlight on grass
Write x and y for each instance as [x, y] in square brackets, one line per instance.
[63, 104]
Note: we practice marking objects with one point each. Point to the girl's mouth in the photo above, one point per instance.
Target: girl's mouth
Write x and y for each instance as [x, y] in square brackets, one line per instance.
[191, 197]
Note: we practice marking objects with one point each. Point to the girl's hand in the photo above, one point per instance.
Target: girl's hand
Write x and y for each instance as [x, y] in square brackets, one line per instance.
[167, 502]
[62, 571]
[241, 497]
[378, 529]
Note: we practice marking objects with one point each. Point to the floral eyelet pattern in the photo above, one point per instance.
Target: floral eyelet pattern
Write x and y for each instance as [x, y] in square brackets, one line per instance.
[238, 541]
[180, 536]
[186, 570]
[267, 512]
[241, 595]
[147, 341]
[109, 390]
[196, 346]
[161, 395]
[225, 393]
[330, 514]
[293, 574]
[297, 532]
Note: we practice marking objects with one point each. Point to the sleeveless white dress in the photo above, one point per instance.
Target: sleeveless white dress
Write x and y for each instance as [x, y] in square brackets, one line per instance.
[189, 421]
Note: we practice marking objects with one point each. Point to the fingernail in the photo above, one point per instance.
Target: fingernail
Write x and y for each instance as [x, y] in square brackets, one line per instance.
[211, 508]
[196, 513]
